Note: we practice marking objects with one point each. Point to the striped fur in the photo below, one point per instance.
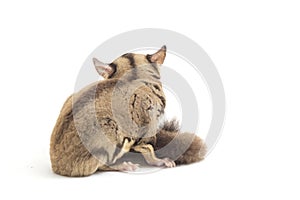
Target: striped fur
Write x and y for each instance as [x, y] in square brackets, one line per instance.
[94, 129]
[87, 136]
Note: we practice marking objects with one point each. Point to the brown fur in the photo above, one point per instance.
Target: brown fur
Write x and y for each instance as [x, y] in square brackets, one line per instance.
[66, 146]
[185, 148]
[109, 118]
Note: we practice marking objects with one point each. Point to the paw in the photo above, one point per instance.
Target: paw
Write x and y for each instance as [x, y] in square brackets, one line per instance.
[127, 166]
[164, 162]
[168, 162]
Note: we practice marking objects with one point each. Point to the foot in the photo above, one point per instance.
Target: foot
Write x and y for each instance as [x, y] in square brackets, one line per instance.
[126, 166]
[165, 162]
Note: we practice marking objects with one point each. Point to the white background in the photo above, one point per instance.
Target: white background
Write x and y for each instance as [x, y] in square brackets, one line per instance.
[255, 46]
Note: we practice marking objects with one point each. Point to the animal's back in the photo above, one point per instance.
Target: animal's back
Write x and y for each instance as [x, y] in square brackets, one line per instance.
[109, 118]
[68, 153]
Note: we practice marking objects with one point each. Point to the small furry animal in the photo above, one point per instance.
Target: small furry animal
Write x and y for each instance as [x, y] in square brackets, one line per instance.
[121, 114]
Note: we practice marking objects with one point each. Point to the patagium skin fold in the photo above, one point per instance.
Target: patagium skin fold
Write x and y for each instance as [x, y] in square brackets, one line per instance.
[117, 115]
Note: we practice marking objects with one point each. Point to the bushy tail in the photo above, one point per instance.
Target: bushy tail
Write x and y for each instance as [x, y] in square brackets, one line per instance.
[184, 148]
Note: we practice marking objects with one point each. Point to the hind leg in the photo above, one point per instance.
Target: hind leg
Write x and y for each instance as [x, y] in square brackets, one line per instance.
[147, 151]
[85, 167]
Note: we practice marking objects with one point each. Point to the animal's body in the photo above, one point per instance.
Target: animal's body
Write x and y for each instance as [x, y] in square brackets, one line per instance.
[109, 118]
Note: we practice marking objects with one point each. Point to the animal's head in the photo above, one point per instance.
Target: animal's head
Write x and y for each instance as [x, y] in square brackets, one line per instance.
[130, 61]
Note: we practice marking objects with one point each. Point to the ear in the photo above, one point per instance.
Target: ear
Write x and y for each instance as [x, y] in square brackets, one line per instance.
[159, 56]
[103, 69]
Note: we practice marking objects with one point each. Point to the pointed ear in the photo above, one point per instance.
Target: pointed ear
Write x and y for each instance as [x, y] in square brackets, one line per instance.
[103, 69]
[159, 56]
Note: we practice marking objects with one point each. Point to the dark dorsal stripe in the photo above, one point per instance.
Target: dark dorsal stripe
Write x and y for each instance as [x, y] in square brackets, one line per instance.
[130, 57]
[132, 63]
